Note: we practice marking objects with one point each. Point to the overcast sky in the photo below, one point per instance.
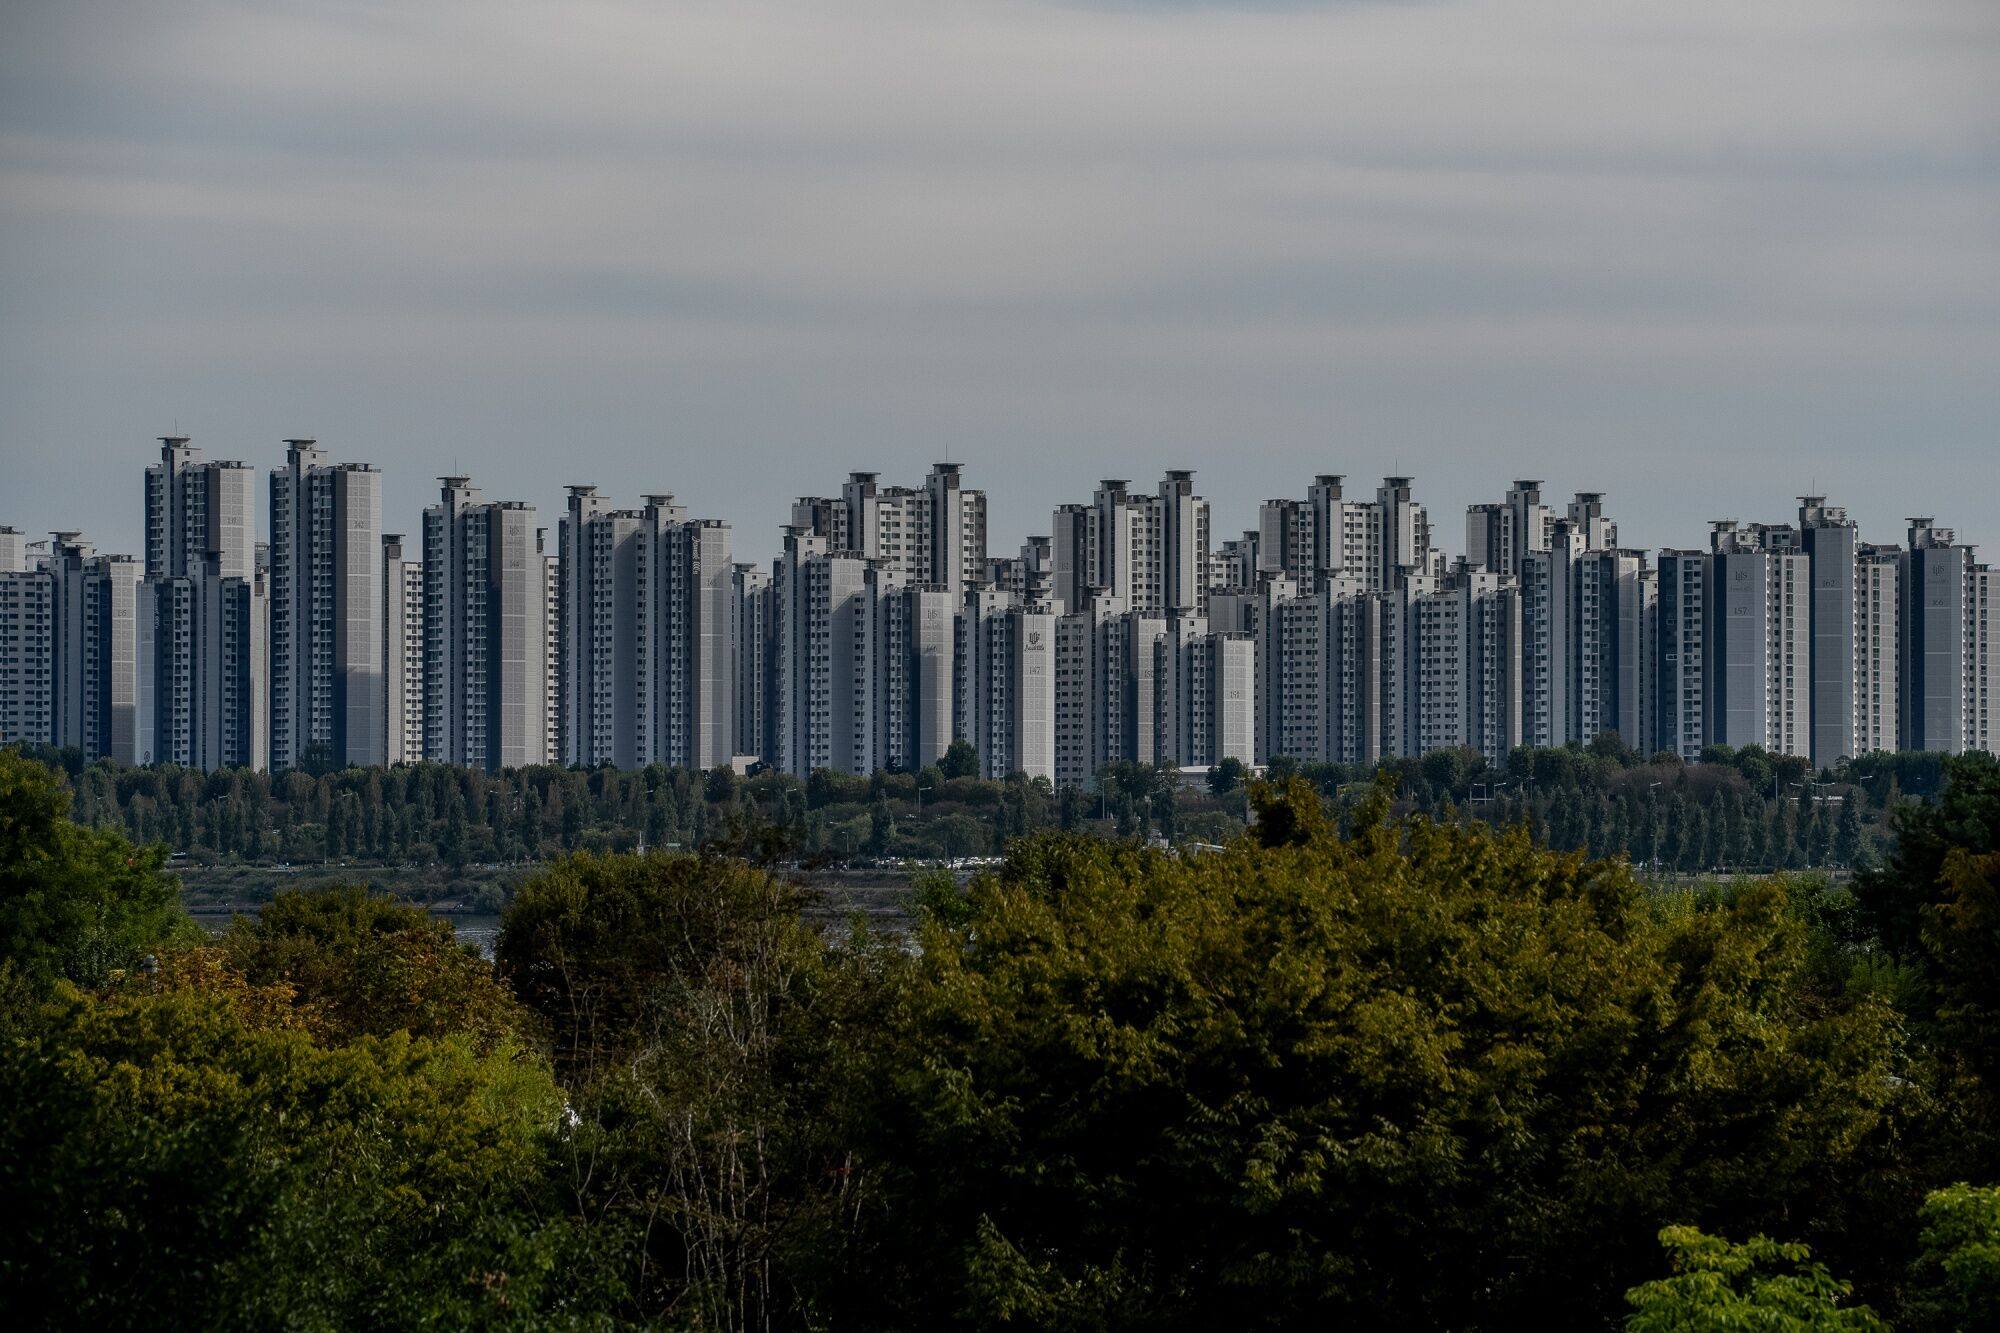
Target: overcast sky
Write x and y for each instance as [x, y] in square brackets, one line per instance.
[1702, 256]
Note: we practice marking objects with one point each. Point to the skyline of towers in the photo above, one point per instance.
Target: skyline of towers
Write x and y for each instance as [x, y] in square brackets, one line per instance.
[1334, 630]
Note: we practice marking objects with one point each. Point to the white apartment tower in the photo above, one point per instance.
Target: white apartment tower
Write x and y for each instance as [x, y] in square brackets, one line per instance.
[1467, 661]
[1982, 650]
[402, 652]
[1184, 541]
[753, 631]
[1877, 588]
[69, 649]
[202, 656]
[1206, 696]
[1105, 682]
[646, 631]
[486, 618]
[934, 533]
[328, 688]
[1007, 682]
[195, 510]
[27, 645]
[1616, 605]
[1406, 532]
[1550, 590]
[1323, 676]
[1327, 536]
[1758, 649]
[1680, 654]
[1499, 537]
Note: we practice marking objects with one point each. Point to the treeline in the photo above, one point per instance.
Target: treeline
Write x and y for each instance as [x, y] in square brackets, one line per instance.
[1353, 1069]
[1739, 810]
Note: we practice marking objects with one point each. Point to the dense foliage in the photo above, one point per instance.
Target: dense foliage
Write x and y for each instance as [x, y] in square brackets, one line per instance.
[74, 902]
[1737, 810]
[1358, 1066]
[1421, 1075]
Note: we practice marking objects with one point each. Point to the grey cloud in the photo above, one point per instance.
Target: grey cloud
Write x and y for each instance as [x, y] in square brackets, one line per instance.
[1690, 256]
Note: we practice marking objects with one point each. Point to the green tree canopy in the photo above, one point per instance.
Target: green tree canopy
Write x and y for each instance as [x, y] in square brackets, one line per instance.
[182, 1158]
[1964, 817]
[361, 962]
[960, 760]
[1956, 1280]
[1429, 1076]
[1760, 1286]
[75, 903]
[717, 1139]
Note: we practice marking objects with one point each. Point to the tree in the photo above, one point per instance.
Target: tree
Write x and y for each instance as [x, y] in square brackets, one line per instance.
[186, 1157]
[881, 825]
[960, 760]
[708, 1031]
[1961, 937]
[1955, 1283]
[1847, 835]
[361, 963]
[1966, 816]
[721, 785]
[587, 942]
[1226, 776]
[1327, 1080]
[75, 903]
[1760, 1284]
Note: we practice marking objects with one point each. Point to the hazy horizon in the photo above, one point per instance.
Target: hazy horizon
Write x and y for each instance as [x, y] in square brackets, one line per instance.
[1702, 261]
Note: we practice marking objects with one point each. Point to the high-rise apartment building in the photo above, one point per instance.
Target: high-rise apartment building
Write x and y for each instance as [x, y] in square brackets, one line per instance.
[1934, 664]
[1831, 543]
[196, 510]
[328, 690]
[1151, 552]
[866, 663]
[934, 533]
[1007, 683]
[27, 645]
[1322, 676]
[402, 652]
[202, 615]
[1499, 537]
[1327, 536]
[1616, 610]
[1466, 664]
[486, 617]
[598, 645]
[1029, 576]
[1406, 532]
[1877, 651]
[98, 702]
[1105, 687]
[1550, 587]
[753, 632]
[1982, 651]
[1758, 639]
[1680, 654]
[202, 658]
[1184, 546]
[1205, 696]
[69, 648]
[647, 611]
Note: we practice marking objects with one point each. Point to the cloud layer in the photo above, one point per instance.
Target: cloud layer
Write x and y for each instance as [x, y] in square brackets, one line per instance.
[1701, 257]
